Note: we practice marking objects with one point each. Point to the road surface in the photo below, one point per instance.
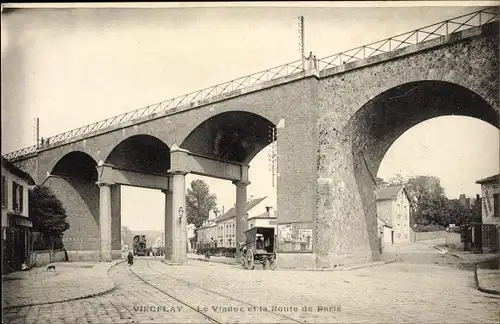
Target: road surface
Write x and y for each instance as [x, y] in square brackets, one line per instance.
[153, 292]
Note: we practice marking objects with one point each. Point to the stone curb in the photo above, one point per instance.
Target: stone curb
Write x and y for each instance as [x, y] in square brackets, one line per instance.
[210, 261]
[367, 265]
[483, 290]
[170, 263]
[449, 253]
[476, 278]
[73, 298]
[345, 268]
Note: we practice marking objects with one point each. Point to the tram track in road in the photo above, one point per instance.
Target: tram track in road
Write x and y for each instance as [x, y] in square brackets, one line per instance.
[209, 291]
[213, 320]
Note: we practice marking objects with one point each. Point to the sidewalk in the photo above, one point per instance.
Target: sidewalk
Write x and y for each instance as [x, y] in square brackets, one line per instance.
[69, 281]
[488, 280]
[232, 262]
[216, 259]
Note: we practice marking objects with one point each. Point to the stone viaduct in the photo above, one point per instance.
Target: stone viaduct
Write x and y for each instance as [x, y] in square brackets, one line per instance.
[333, 128]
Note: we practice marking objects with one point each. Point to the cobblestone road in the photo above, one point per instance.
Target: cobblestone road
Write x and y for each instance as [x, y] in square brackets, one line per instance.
[393, 293]
[31, 287]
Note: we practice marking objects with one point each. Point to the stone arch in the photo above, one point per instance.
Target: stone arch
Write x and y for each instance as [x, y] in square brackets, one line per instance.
[377, 125]
[234, 135]
[143, 153]
[73, 180]
[383, 119]
[76, 164]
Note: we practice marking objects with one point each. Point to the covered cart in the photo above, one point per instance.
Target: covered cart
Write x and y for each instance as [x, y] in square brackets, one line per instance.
[259, 247]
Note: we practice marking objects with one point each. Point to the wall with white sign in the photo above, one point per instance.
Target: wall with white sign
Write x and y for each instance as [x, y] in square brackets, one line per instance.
[488, 203]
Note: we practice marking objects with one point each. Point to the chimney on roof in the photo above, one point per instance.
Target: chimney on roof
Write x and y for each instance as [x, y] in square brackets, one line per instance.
[269, 210]
[250, 198]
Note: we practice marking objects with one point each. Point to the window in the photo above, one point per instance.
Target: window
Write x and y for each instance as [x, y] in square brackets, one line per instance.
[17, 197]
[496, 205]
[4, 192]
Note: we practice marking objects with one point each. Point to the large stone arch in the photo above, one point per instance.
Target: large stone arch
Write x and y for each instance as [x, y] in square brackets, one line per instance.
[383, 119]
[73, 180]
[461, 72]
[349, 157]
[234, 135]
[142, 153]
[76, 164]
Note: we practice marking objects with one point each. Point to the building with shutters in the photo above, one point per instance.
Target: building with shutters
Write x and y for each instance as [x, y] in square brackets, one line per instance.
[393, 214]
[16, 224]
[490, 208]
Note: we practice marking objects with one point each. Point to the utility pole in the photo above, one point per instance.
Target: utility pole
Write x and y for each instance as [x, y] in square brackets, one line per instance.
[301, 42]
[36, 131]
[273, 153]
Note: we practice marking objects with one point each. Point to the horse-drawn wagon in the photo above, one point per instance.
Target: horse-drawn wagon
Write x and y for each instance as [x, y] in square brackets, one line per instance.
[259, 247]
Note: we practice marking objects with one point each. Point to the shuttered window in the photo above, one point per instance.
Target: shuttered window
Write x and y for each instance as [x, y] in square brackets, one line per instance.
[4, 191]
[496, 205]
[17, 197]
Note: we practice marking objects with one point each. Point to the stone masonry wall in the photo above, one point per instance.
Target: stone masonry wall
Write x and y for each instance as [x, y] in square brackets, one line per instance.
[346, 209]
[81, 201]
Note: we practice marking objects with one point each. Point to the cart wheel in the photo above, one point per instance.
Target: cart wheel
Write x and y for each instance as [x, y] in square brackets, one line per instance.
[272, 263]
[244, 263]
[250, 259]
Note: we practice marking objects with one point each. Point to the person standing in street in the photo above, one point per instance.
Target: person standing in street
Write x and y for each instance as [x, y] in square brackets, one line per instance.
[130, 258]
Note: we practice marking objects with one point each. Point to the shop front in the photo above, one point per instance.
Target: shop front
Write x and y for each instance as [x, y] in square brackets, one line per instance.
[17, 242]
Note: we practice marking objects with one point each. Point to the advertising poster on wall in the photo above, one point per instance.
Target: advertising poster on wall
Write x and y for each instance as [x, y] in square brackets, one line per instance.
[488, 200]
[295, 237]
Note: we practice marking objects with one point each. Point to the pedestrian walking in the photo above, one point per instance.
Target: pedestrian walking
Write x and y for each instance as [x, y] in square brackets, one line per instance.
[130, 258]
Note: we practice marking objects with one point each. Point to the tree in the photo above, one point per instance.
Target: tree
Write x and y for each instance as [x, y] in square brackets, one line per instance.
[425, 186]
[456, 213]
[396, 180]
[417, 186]
[127, 236]
[48, 215]
[430, 207]
[381, 183]
[199, 202]
[476, 211]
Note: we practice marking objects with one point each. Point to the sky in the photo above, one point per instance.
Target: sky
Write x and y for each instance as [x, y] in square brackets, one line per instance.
[72, 67]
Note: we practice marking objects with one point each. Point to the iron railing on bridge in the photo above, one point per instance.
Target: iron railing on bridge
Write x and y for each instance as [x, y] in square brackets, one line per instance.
[413, 37]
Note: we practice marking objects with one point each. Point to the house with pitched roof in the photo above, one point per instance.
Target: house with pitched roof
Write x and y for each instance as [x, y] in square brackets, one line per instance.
[393, 214]
[490, 207]
[265, 219]
[226, 224]
[206, 234]
[16, 223]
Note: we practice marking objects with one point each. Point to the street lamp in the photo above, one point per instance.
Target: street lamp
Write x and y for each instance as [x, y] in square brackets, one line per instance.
[181, 212]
